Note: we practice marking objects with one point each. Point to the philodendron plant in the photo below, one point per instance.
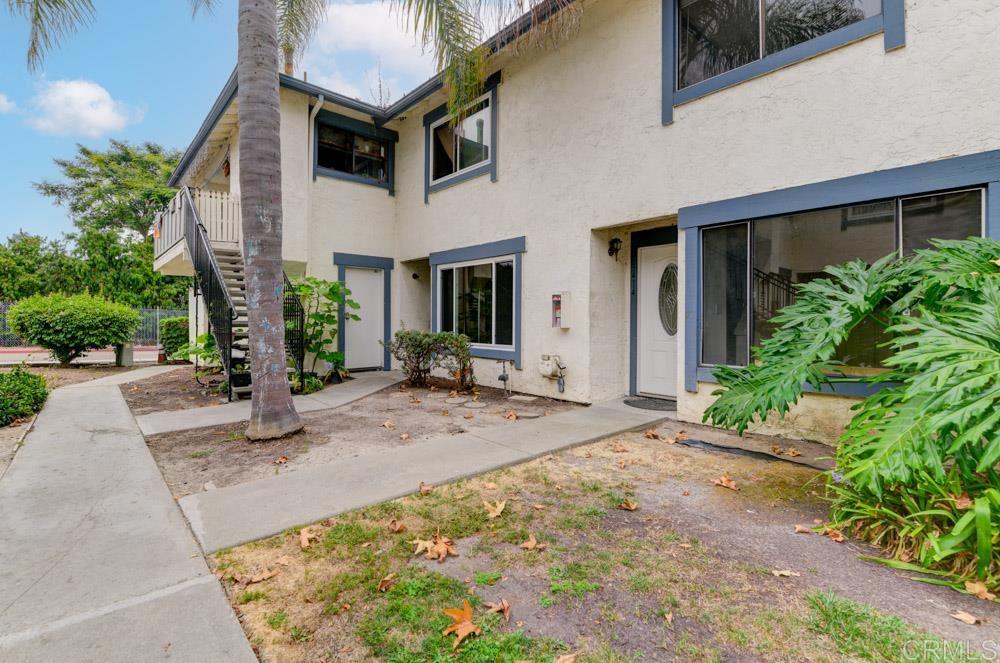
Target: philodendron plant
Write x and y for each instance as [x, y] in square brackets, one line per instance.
[322, 301]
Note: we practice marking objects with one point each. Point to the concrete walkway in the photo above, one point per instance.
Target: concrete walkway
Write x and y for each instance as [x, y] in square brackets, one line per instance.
[363, 384]
[96, 560]
[246, 512]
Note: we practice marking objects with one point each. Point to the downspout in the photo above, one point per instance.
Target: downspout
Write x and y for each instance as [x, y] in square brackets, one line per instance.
[310, 169]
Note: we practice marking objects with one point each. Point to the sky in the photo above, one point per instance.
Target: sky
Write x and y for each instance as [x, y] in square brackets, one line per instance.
[146, 70]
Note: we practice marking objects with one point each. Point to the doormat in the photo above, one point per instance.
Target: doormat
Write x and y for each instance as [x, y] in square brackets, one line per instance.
[659, 404]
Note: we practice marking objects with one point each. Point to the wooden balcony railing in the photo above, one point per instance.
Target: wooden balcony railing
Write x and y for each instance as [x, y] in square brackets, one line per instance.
[219, 213]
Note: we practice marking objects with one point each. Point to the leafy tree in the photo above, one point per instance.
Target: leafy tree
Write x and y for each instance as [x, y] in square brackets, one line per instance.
[32, 265]
[917, 464]
[117, 189]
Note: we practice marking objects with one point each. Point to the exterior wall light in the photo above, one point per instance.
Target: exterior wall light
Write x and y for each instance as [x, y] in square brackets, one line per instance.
[614, 246]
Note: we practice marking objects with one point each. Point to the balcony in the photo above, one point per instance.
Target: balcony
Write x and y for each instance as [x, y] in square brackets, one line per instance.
[219, 213]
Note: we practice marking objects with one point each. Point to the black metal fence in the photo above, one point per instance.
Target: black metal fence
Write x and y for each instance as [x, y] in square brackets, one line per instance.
[148, 332]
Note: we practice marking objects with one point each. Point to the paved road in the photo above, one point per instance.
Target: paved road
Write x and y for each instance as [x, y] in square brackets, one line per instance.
[96, 560]
[140, 355]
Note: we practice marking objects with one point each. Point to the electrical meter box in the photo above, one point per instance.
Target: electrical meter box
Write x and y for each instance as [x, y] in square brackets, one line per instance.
[560, 310]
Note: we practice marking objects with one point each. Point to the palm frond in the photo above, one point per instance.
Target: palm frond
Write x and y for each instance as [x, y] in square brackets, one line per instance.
[49, 22]
[297, 23]
[456, 29]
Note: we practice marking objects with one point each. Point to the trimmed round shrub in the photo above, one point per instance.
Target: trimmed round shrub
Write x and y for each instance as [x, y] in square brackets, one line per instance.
[69, 326]
[21, 394]
[173, 334]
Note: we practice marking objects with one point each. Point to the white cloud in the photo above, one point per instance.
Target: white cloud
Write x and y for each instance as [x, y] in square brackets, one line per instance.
[353, 38]
[79, 108]
[6, 105]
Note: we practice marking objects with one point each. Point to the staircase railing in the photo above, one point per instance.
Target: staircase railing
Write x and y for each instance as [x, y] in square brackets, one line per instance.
[211, 284]
[295, 329]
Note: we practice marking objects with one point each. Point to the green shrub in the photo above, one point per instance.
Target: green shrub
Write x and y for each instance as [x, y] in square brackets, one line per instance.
[69, 326]
[321, 301]
[421, 352]
[173, 334]
[204, 349]
[21, 394]
[917, 466]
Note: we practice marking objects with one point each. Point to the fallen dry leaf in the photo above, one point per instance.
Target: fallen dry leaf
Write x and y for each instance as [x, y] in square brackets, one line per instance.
[538, 507]
[510, 415]
[628, 505]
[414, 400]
[501, 607]
[619, 448]
[461, 625]
[495, 509]
[281, 460]
[793, 452]
[468, 415]
[834, 534]
[802, 529]
[979, 590]
[404, 437]
[396, 527]
[533, 544]
[621, 464]
[489, 485]
[963, 502]
[388, 424]
[785, 574]
[425, 488]
[437, 547]
[776, 450]
[963, 616]
[651, 434]
[386, 583]
[306, 535]
[726, 482]
[445, 413]
[565, 658]
[266, 574]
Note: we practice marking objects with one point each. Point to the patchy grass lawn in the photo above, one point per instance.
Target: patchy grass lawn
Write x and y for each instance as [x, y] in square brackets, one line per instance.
[396, 416]
[583, 575]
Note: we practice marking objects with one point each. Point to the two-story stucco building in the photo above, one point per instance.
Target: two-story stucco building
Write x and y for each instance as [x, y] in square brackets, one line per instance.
[639, 201]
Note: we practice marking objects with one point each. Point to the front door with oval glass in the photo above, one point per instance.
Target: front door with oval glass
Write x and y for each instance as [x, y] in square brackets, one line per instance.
[658, 313]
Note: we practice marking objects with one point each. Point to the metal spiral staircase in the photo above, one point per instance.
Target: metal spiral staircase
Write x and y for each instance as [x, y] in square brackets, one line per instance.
[220, 279]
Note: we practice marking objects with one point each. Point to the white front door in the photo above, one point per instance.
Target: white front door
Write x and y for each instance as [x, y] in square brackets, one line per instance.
[659, 315]
[362, 338]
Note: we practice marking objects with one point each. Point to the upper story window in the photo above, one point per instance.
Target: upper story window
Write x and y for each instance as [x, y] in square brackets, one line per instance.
[716, 36]
[343, 151]
[463, 145]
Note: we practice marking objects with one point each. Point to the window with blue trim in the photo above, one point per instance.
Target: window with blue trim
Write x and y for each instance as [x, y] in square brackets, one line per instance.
[344, 151]
[716, 36]
[459, 146]
[477, 299]
[750, 269]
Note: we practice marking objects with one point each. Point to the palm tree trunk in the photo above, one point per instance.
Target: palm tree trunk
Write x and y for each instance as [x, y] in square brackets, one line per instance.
[272, 413]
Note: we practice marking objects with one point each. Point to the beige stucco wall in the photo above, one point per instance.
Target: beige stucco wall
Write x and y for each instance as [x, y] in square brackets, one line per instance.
[583, 157]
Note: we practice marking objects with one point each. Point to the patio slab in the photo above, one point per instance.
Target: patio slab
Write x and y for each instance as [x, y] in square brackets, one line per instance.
[234, 515]
[363, 384]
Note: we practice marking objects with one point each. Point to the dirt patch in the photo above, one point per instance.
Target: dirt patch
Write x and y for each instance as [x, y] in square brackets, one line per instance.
[219, 456]
[688, 575]
[175, 390]
[59, 376]
[9, 437]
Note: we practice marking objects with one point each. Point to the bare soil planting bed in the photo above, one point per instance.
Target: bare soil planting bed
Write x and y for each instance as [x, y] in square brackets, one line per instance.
[696, 572]
[220, 456]
[176, 390]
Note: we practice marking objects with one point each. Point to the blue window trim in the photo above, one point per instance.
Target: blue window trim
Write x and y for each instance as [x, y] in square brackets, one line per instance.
[345, 260]
[433, 116]
[506, 247]
[361, 128]
[976, 170]
[652, 237]
[891, 22]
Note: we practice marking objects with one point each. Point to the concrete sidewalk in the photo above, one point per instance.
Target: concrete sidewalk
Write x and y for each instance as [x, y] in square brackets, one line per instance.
[246, 512]
[96, 560]
[363, 384]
